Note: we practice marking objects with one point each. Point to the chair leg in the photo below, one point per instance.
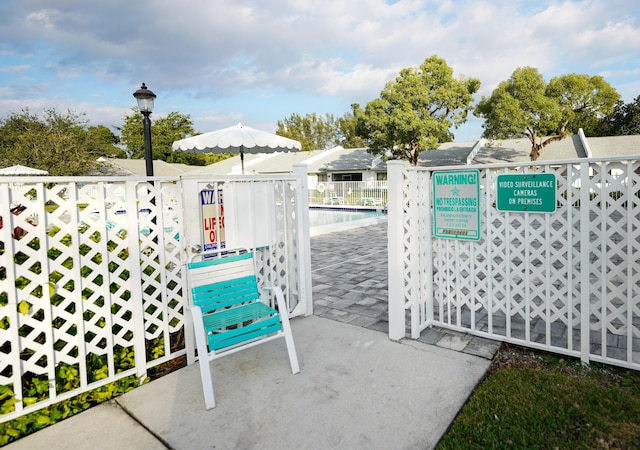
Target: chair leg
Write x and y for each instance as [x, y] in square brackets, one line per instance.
[291, 348]
[286, 329]
[203, 358]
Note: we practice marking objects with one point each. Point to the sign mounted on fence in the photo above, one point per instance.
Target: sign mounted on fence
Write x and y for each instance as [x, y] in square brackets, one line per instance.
[213, 232]
[527, 192]
[456, 204]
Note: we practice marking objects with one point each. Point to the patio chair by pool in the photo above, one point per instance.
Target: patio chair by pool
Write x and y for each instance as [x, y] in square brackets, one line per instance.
[228, 314]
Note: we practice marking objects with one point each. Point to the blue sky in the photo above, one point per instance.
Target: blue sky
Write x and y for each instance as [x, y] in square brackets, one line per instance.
[257, 62]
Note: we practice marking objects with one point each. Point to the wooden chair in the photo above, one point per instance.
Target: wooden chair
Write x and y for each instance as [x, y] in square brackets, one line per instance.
[228, 314]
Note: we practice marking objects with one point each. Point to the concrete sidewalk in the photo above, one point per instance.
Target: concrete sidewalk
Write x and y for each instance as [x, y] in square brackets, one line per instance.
[356, 389]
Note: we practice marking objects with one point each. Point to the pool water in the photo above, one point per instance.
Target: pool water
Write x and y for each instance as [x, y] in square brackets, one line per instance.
[320, 217]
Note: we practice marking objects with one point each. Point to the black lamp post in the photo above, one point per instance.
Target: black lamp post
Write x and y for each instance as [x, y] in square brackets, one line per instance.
[145, 99]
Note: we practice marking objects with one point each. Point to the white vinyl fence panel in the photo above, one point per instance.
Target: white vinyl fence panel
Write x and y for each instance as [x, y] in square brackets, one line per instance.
[566, 282]
[90, 278]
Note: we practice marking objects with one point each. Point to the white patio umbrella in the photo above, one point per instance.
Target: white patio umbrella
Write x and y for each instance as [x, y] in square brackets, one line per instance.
[22, 170]
[237, 139]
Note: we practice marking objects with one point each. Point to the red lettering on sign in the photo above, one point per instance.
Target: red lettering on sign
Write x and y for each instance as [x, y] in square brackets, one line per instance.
[211, 222]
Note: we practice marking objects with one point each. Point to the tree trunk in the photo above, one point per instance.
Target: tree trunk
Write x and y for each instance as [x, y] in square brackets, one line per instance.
[536, 148]
[413, 155]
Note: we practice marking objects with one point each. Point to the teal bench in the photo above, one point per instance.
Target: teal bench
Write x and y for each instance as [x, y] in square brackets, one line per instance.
[228, 314]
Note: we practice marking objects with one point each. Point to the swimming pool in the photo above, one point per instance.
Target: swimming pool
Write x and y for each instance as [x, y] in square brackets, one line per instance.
[324, 217]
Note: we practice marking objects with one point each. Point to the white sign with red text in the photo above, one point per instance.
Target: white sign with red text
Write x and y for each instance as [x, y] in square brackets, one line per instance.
[213, 228]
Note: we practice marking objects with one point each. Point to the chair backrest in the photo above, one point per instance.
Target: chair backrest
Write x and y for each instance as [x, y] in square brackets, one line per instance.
[223, 282]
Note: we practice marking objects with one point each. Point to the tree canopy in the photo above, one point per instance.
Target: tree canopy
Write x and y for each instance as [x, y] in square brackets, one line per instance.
[416, 111]
[61, 143]
[624, 120]
[312, 131]
[316, 132]
[347, 129]
[526, 106]
[164, 131]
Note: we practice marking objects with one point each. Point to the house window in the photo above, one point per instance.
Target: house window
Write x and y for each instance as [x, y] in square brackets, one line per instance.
[382, 176]
[356, 176]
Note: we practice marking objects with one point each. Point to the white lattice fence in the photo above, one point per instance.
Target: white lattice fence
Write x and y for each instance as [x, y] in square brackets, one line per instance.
[90, 279]
[90, 283]
[566, 281]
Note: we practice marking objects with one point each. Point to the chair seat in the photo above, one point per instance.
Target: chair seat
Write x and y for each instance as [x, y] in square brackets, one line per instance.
[247, 322]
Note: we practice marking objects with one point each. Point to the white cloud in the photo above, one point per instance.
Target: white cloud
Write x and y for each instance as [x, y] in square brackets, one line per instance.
[227, 53]
[16, 69]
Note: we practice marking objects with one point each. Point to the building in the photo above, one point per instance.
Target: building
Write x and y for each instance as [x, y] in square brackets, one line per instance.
[357, 164]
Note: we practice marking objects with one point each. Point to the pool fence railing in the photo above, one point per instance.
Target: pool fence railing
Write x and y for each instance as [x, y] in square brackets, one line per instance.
[349, 193]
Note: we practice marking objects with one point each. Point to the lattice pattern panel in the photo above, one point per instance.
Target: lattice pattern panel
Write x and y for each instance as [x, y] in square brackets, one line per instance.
[277, 264]
[614, 215]
[524, 281]
[84, 265]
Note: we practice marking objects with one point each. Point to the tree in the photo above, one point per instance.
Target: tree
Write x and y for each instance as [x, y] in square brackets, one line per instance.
[164, 132]
[322, 132]
[347, 125]
[525, 105]
[60, 143]
[312, 131]
[104, 141]
[624, 120]
[416, 111]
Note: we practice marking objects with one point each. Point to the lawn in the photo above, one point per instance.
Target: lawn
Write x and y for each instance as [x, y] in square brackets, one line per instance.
[533, 400]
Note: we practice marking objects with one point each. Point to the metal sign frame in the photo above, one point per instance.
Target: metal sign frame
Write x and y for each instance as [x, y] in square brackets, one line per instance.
[526, 192]
[456, 204]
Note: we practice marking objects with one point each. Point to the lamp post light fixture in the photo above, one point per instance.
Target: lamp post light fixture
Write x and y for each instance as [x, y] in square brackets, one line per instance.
[145, 99]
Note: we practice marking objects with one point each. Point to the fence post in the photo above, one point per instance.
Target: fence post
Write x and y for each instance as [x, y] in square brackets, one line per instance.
[395, 233]
[585, 264]
[137, 295]
[303, 244]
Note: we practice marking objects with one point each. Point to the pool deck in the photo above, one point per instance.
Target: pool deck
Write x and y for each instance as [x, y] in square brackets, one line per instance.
[340, 227]
[350, 284]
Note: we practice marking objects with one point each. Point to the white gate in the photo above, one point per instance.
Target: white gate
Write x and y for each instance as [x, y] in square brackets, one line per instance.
[567, 281]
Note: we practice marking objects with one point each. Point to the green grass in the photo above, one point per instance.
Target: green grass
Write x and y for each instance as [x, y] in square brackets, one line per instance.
[545, 402]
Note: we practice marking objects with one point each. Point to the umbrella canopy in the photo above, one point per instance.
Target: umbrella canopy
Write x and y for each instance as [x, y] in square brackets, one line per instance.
[237, 139]
[22, 170]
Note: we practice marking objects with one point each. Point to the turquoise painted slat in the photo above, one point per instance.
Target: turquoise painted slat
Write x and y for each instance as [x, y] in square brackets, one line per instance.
[258, 329]
[223, 284]
[221, 295]
[216, 261]
[212, 307]
[270, 321]
[245, 290]
[225, 294]
[226, 317]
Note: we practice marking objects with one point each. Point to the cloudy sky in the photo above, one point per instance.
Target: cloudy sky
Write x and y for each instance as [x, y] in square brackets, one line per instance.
[257, 62]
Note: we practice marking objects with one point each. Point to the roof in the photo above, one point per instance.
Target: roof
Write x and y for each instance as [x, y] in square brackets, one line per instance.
[518, 150]
[22, 170]
[614, 146]
[333, 160]
[138, 167]
[339, 159]
[260, 163]
[448, 154]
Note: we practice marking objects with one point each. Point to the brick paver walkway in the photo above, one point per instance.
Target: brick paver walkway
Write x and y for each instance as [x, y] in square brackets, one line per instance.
[349, 277]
